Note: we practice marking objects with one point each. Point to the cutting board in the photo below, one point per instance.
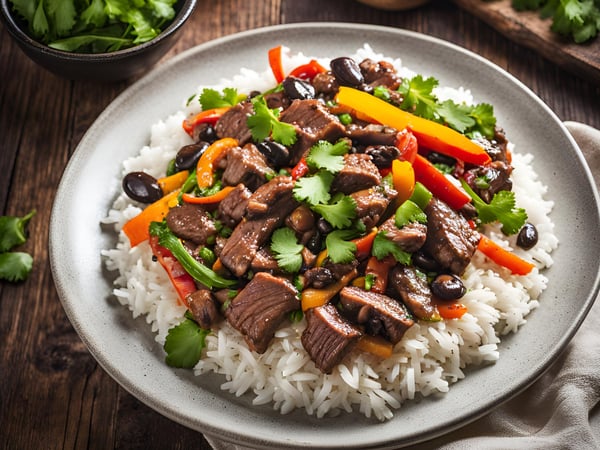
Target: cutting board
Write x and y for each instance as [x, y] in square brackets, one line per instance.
[528, 29]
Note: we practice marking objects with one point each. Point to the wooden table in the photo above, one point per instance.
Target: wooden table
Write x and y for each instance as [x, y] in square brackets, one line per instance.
[52, 392]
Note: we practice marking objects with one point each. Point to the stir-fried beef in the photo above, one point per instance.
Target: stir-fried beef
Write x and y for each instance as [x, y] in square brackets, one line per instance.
[277, 100]
[496, 175]
[380, 73]
[264, 262]
[204, 308]
[325, 84]
[267, 209]
[328, 337]
[191, 222]
[318, 277]
[313, 123]
[233, 207]
[358, 173]
[409, 238]
[247, 166]
[260, 308]
[378, 313]
[497, 147]
[371, 204]
[450, 239]
[413, 290]
[233, 123]
[372, 134]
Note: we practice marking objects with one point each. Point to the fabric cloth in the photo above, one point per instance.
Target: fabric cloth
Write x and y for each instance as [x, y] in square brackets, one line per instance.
[562, 409]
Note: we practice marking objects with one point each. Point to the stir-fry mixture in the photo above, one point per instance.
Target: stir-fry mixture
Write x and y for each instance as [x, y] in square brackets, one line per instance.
[347, 197]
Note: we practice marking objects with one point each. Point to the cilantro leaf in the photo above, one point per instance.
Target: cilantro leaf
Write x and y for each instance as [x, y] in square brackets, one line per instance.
[13, 231]
[264, 122]
[184, 344]
[456, 116]
[15, 266]
[314, 189]
[502, 208]
[340, 213]
[418, 96]
[339, 249]
[325, 155]
[211, 98]
[286, 250]
[383, 247]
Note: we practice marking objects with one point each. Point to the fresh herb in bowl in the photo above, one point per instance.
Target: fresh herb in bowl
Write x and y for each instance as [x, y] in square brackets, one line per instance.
[94, 26]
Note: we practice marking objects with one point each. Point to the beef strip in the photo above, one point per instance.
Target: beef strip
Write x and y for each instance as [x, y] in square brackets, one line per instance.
[267, 209]
[497, 174]
[233, 123]
[450, 239]
[313, 123]
[414, 291]
[325, 84]
[247, 166]
[328, 337]
[372, 134]
[358, 173]
[191, 222]
[409, 238]
[260, 308]
[372, 204]
[378, 313]
[497, 147]
[264, 261]
[204, 308]
[233, 207]
[380, 73]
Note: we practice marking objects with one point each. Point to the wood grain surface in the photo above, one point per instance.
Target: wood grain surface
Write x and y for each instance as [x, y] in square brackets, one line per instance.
[53, 394]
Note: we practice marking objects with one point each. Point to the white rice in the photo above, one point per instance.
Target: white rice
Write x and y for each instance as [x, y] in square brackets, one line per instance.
[429, 358]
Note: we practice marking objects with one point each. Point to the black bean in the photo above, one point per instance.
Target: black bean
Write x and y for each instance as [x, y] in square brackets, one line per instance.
[142, 187]
[440, 158]
[448, 287]
[425, 262]
[297, 89]
[323, 226]
[382, 155]
[277, 155]
[204, 132]
[315, 243]
[528, 236]
[347, 72]
[187, 157]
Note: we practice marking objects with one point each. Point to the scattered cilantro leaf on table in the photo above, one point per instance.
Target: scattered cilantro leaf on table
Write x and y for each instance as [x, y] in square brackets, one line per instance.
[14, 266]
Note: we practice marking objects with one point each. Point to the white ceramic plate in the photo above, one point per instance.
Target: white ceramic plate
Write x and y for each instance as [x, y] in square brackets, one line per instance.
[126, 348]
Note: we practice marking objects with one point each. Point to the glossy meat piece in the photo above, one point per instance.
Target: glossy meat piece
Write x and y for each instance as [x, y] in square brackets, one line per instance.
[247, 166]
[233, 123]
[204, 308]
[409, 238]
[233, 207]
[191, 222]
[372, 204]
[359, 173]
[414, 292]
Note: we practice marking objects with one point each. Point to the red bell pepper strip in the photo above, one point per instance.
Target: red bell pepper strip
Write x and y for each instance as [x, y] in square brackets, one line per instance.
[300, 169]
[379, 268]
[209, 199]
[503, 257]
[182, 281]
[204, 168]
[209, 116]
[307, 71]
[276, 64]
[407, 144]
[438, 184]
[430, 134]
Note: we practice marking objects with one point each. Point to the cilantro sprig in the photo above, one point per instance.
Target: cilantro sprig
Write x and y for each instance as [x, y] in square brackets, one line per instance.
[420, 99]
[382, 247]
[211, 98]
[184, 344]
[264, 122]
[286, 250]
[14, 266]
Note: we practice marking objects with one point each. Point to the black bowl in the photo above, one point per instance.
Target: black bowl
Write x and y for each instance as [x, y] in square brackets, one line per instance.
[111, 66]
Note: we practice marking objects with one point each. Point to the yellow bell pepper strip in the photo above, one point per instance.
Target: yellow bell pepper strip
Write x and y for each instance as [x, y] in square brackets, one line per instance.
[182, 281]
[311, 297]
[434, 180]
[209, 116]
[136, 229]
[379, 269]
[209, 199]
[403, 177]
[204, 169]
[430, 134]
[504, 257]
[275, 63]
[307, 71]
[172, 182]
[375, 345]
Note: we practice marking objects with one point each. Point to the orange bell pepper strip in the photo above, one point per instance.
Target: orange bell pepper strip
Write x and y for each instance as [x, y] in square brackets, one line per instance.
[379, 269]
[276, 64]
[451, 310]
[172, 182]
[504, 257]
[204, 169]
[209, 116]
[403, 177]
[430, 134]
[434, 180]
[312, 297]
[375, 345]
[136, 229]
[307, 71]
[209, 199]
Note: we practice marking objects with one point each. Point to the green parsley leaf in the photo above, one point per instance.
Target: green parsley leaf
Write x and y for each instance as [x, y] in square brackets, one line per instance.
[15, 266]
[286, 250]
[315, 188]
[184, 344]
[383, 247]
[63, 15]
[211, 98]
[502, 208]
[340, 213]
[339, 249]
[264, 122]
[325, 155]
[13, 231]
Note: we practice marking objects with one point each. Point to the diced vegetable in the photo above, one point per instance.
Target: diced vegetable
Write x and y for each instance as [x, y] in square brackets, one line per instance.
[379, 269]
[504, 257]
[312, 297]
[172, 182]
[407, 144]
[204, 169]
[451, 310]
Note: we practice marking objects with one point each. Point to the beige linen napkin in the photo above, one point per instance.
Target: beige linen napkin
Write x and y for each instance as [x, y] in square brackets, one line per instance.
[562, 409]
